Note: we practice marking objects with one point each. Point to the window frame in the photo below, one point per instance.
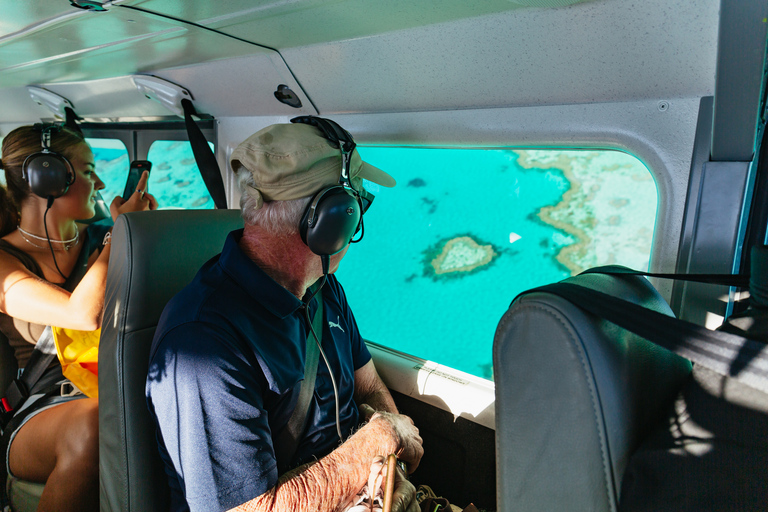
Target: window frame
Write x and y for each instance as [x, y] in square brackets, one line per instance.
[139, 136]
[382, 342]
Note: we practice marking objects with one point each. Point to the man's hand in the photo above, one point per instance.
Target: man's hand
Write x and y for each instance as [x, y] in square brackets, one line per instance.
[410, 448]
[366, 413]
[404, 496]
[404, 493]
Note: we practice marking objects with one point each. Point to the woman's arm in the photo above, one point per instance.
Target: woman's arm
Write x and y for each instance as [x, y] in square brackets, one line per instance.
[25, 296]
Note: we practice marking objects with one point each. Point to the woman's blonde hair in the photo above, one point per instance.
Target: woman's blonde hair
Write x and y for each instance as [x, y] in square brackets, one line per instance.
[17, 146]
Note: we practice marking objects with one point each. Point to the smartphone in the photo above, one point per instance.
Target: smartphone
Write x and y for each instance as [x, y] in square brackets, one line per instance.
[134, 175]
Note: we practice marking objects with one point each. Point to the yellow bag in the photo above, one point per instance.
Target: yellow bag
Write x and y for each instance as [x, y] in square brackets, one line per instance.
[78, 353]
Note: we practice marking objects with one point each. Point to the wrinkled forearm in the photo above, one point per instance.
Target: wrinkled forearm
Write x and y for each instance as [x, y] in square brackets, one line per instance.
[328, 483]
[371, 390]
[380, 400]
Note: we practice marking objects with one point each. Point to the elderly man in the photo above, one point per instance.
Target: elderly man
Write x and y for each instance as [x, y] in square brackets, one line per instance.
[231, 351]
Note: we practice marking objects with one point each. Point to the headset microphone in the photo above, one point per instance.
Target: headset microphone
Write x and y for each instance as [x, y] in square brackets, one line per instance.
[48, 174]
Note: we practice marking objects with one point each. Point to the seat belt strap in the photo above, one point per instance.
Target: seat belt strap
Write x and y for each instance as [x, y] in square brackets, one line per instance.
[71, 120]
[288, 440]
[41, 358]
[739, 280]
[727, 354]
[204, 157]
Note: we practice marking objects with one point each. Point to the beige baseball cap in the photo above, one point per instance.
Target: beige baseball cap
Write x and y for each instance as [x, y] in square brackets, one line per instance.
[291, 161]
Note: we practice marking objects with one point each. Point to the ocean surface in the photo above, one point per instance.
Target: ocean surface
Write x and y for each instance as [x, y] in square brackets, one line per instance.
[495, 197]
[174, 179]
[398, 299]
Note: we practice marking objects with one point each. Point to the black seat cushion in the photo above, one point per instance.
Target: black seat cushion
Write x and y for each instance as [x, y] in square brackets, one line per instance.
[154, 255]
[575, 396]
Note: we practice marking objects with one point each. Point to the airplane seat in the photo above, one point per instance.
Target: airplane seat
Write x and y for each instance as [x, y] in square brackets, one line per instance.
[154, 255]
[575, 396]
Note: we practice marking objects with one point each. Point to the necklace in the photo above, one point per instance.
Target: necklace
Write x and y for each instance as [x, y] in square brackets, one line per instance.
[66, 244]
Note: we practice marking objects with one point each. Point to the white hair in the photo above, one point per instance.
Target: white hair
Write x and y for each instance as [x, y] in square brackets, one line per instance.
[275, 217]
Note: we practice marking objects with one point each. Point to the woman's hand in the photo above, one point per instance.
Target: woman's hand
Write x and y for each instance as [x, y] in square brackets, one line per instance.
[139, 201]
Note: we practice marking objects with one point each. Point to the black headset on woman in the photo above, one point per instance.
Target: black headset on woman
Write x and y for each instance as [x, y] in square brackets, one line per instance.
[335, 214]
[48, 174]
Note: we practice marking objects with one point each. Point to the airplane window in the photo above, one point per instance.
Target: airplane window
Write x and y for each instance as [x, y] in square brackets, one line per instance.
[111, 158]
[465, 230]
[175, 179]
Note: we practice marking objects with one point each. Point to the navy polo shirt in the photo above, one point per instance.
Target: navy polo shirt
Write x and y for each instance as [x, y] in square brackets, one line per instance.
[225, 370]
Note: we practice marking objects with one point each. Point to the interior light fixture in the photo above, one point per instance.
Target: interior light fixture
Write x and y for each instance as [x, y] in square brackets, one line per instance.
[166, 93]
[52, 101]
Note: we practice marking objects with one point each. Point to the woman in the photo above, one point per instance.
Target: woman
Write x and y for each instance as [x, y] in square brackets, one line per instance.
[53, 272]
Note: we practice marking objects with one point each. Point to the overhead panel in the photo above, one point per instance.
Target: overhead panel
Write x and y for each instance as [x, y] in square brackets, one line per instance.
[583, 53]
[88, 58]
[287, 24]
[28, 15]
[373, 56]
[92, 45]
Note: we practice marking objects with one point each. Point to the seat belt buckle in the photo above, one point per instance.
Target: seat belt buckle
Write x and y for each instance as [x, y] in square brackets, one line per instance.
[68, 389]
[15, 395]
[6, 406]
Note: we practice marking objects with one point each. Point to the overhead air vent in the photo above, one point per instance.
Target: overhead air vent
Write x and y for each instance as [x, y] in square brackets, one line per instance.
[52, 101]
[166, 93]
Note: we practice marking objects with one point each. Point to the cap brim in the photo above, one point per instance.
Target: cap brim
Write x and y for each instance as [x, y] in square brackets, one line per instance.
[376, 175]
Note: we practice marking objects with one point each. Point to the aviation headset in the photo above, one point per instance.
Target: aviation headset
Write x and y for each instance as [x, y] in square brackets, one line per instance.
[335, 214]
[48, 174]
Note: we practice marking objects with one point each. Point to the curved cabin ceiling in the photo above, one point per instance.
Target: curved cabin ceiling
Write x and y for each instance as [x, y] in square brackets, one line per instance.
[356, 55]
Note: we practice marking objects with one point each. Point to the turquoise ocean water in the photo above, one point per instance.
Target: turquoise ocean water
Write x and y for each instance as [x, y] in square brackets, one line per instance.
[174, 179]
[441, 194]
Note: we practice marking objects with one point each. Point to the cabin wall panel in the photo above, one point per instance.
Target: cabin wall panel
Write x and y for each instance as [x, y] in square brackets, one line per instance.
[459, 460]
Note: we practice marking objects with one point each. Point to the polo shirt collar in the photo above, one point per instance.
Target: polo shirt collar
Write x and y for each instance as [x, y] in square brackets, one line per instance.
[254, 281]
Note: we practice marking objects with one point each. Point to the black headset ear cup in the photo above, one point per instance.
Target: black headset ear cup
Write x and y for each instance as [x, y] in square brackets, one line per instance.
[48, 174]
[330, 225]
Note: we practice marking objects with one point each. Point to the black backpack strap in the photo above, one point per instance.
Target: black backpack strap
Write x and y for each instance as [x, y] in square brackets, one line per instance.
[41, 358]
[727, 354]
[206, 161]
[71, 120]
[288, 440]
